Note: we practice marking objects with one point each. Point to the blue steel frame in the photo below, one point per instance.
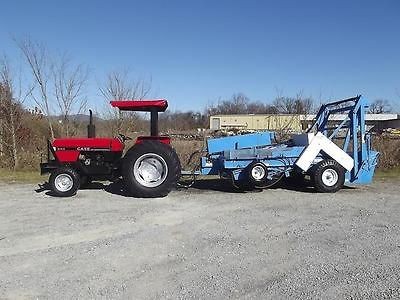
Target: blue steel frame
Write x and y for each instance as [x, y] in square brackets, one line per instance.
[357, 142]
[281, 158]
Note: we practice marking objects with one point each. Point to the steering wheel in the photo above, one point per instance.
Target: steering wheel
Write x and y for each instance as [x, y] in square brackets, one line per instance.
[124, 137]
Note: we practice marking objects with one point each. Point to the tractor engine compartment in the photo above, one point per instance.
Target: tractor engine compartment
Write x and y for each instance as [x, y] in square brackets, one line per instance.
[99, 162]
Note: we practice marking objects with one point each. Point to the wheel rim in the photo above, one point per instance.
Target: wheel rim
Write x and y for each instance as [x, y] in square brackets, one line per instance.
[150, 170]
[330, 177]
[63, 182]
[258, 173]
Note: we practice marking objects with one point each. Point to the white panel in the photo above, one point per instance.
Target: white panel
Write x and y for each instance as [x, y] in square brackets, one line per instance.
[321, 142]
[309, 154]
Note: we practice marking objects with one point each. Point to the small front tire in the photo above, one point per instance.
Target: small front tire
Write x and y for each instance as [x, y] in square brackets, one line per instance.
[257, 173]
[328, 176]
[64, 182]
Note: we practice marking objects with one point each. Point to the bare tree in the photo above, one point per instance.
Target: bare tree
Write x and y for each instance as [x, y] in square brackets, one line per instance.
[11, 110]
[260, 108]
[237, 104]
[177, 120]
[120, 86]
[38, 60]
[380, 106]
[294, 105]
[69, 81]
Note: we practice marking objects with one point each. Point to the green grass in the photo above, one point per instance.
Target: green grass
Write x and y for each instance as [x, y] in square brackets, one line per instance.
[32, 176]
[389, 173]
[21, 176]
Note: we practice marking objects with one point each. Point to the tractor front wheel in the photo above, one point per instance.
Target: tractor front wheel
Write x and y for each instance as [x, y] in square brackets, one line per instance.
[150, 169]
[64, 182]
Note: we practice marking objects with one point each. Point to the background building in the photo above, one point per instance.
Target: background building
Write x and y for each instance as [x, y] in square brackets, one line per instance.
[256, 122]
[292, 123]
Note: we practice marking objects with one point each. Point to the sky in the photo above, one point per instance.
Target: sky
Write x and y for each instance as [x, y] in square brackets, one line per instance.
[197, 52]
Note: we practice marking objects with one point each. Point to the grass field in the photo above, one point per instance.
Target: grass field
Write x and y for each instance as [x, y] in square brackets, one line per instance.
[22, 176]
[29, 176]
[389, 173]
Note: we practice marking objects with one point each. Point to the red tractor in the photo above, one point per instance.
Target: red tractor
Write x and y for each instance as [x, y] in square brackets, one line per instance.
[150, 168]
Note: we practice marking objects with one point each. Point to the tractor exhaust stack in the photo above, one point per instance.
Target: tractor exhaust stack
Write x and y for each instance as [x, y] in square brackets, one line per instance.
[91, 129]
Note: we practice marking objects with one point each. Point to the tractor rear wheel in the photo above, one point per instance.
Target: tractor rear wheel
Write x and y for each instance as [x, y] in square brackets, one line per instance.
[328, 176]
[150, 169]
[64, 182]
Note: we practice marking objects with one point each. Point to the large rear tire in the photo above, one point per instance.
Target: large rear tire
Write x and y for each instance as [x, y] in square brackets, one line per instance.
[150, 169]
[64, 182]
[328, 176]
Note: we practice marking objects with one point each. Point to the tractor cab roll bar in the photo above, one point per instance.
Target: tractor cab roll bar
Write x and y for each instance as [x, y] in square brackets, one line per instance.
[152, 106]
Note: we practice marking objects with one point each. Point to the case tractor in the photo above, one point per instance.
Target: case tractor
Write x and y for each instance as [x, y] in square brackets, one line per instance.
[150, 168]
[330, 154]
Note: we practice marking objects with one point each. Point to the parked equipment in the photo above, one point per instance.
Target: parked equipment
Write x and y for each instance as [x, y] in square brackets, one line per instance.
[255, 160]
[150, 168]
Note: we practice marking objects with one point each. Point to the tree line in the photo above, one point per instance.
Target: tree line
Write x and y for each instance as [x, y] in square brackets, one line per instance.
[55, 88]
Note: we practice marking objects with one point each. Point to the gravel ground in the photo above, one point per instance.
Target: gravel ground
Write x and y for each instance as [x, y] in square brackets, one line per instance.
[201, 243]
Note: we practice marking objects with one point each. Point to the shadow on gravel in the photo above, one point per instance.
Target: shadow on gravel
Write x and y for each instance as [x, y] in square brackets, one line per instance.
[215, 185]
[115, 188]
[219, 185]
[42, 187]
